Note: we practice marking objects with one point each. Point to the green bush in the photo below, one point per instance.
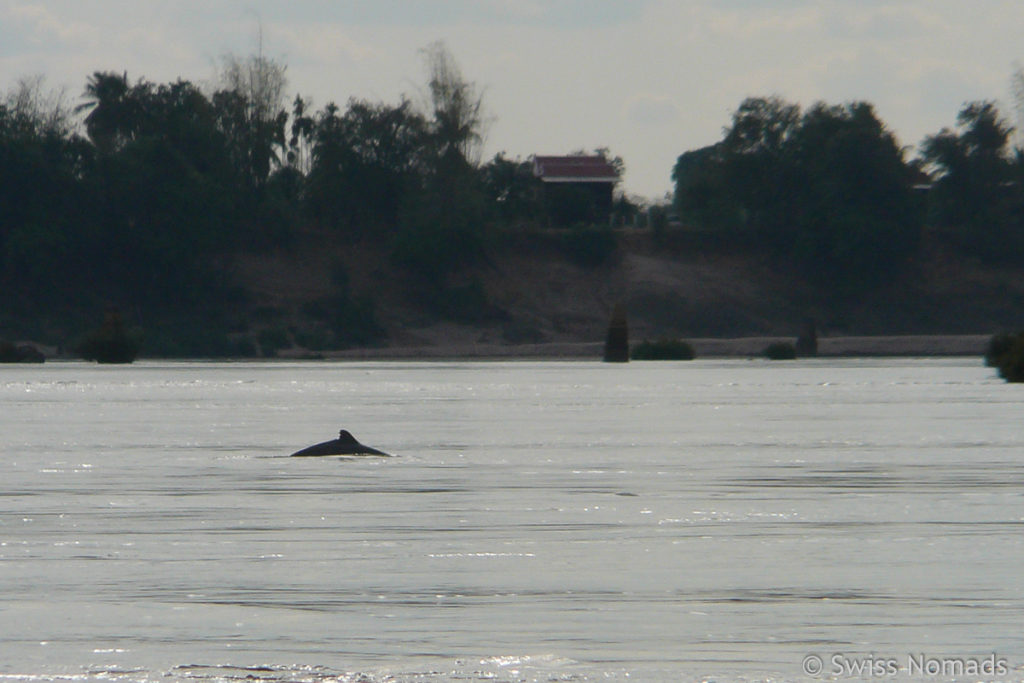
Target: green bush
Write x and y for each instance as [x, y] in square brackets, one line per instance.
[663, 349]
[780, 351]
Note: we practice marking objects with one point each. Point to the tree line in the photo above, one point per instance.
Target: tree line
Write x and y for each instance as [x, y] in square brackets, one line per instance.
[831, 192]
[138, 194]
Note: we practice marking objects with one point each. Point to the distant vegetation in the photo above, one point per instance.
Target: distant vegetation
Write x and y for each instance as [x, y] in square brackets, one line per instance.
[829, 191]
[136, 197]
[170, 180]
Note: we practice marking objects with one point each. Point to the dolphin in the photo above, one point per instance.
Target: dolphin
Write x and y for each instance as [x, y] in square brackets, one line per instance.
[345, 444]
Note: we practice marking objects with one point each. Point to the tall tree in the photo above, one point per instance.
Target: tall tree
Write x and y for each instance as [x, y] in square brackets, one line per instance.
[456, 108]
[762, 125]
[856, 219]
[977, 190]
[251, 108]
[44, 204]
[827, 189]
[969, 163]
[441, 230]
[758, 164]
[367, 161]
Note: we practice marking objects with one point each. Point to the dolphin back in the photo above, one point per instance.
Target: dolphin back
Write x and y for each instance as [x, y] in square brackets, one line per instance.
[345, 444]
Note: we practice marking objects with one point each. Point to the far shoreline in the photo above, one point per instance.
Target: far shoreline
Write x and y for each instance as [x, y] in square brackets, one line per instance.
[906, 346]
[893, 346]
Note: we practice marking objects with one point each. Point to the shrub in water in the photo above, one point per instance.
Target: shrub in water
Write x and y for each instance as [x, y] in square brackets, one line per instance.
[998, 345]
[25, 353]
[1006, 353]
[663, 349]
[111, 342]
[780, 351]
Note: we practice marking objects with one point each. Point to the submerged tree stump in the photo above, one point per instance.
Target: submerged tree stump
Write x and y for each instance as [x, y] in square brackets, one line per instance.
[616, 345]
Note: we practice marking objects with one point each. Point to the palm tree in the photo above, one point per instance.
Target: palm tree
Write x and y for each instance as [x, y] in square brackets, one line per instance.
[110, 121]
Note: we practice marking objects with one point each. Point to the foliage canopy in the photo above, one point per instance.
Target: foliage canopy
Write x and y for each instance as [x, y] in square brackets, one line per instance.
[828, 189]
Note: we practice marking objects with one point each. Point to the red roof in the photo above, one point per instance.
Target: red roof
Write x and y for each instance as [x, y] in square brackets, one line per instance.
[574, 169]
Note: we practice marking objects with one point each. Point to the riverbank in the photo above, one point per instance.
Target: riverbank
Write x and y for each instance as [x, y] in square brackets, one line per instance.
[536, 303]
[527, 299]
[906, 346]
[835, 347]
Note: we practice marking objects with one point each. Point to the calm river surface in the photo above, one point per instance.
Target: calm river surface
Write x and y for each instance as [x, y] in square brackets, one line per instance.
[549, 521]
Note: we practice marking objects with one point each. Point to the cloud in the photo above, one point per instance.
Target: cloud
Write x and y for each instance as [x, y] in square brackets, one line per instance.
[652, 110]
[331, 44]
[44, 27]
[440, 13]
[650, 79]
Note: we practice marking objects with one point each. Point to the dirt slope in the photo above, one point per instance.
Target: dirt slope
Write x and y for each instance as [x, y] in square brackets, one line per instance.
[543, 298]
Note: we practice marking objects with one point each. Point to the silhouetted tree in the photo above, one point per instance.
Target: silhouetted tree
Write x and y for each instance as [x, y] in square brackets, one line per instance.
[250, 106]
[855, 220]
[113, 112]
[43, 200]
[703, 198]
[978, 190]
[366, 163]
[441, 229]
[758, 164]
[456, 108]
[828, 189]
[513, 191]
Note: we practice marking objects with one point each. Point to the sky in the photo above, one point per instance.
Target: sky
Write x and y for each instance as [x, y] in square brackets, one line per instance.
[648, 79]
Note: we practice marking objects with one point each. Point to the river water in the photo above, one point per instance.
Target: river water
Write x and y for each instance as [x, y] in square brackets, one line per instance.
[549, 521]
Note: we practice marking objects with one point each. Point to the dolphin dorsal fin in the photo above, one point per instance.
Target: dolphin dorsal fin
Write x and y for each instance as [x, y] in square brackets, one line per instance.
[345, 437]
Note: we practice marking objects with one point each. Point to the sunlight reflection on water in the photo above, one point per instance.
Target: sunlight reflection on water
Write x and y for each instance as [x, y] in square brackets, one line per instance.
[541, 521]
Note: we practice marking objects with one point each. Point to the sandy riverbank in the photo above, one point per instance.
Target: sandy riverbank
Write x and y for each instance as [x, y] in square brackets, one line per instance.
[905, 346]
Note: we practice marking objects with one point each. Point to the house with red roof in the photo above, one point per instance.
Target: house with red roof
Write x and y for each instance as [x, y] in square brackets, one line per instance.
[576, 188]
